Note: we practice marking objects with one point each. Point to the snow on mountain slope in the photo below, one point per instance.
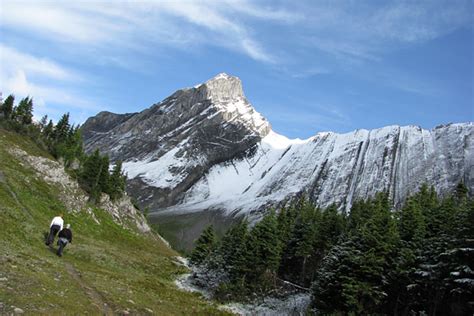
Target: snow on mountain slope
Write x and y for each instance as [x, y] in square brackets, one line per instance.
[337, 168]
[206, 148]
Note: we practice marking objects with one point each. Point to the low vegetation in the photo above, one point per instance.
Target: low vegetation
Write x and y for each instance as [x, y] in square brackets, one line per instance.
[108, 269]
[64, 142]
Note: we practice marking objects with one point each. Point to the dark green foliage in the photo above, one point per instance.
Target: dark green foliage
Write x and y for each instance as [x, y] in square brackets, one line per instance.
[64, 142]
[416, 260]
[233, 249]
[62, 129]
[411, 222]
[7, 107]
[117, 182]
[299, 245]
[204, 245]
[94, 175]
[23, 113]
[263, 251]
[423, 264]
[48, 130]
[359, 265]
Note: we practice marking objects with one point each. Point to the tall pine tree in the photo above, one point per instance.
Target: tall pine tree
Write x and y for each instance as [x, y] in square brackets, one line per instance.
[204, 245]
[7, 107]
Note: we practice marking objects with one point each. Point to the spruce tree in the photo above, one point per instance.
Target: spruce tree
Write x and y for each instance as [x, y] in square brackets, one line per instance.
[264, 252]
[117, 181]
[62, 129]
[361, 263]
[302, 242]
[7, 107]
[204, 246]
[104, 175]
[43, 122]
[411, 222]
[48, 131]
[23, 113]
[90, 175]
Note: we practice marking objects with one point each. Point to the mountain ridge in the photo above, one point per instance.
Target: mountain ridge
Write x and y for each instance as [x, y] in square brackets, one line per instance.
[207, 149]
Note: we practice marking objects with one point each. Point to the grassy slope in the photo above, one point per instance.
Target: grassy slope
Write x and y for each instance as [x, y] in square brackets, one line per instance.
[104, 264]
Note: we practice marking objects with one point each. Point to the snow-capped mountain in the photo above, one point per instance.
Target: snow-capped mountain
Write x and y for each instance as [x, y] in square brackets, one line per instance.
[206, 148]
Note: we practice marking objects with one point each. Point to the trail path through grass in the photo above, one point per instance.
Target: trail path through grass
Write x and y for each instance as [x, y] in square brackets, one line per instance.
[96, 298]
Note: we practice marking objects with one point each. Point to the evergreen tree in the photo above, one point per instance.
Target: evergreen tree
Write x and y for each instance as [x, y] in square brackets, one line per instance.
[48, 131]
[7, 107]
[360, 264]
[104, 175]
[264, 252]
[233, 248]
[43, 122]
[71, 148]
[332, 226]
[204, 246]
[90, 175]
[117, 181]
[62, 129]
[23, 113]
[411, 222]
[443, 278]
[301, 243]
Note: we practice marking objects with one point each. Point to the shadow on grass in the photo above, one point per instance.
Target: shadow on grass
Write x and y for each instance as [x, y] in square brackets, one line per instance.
[50, 247]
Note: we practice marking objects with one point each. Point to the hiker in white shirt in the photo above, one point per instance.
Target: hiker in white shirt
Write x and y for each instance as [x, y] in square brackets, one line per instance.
[56, 226]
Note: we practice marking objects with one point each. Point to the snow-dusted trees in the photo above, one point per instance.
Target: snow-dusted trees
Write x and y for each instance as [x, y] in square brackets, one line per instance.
[418, 259]
[354, 273]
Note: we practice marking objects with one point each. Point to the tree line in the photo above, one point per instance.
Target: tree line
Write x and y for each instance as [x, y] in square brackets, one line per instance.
[415, 260]
[63, 141]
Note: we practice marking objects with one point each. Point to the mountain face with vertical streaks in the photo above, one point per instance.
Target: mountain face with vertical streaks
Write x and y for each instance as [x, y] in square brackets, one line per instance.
[206, 149]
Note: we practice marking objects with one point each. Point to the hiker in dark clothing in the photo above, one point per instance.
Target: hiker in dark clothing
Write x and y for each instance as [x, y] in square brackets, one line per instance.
[55, 226]
[65, 237]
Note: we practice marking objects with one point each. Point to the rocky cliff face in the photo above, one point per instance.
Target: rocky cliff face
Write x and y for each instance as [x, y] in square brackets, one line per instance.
[205, 148]
[170, 146]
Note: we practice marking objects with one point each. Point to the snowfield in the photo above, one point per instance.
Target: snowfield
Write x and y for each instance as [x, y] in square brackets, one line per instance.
[334, 168]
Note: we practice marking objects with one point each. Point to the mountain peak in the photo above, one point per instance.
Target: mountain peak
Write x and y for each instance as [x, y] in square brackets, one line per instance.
[222, 75]
[223, 88]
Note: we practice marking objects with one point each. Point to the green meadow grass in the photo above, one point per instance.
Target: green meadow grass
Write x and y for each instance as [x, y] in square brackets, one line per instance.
[105, 264]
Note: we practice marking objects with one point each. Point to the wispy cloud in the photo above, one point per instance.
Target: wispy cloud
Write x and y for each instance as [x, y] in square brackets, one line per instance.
[51, 83]
[360, 30]
[19, 85]
[12, 60]
[320, 118]
[353, 30]
[145, 23]
[295, 39]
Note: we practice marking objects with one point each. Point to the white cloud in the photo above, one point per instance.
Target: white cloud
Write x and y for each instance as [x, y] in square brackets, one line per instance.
[12, 60]
[19, 85]
[110, 32]
[51, 83]
[16, 69]
[140, 25]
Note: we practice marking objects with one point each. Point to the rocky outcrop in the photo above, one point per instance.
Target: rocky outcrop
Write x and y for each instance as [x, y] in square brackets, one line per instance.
[75, 199]
[206, 148]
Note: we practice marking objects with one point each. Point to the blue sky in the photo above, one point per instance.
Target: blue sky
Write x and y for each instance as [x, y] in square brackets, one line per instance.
[307, 66]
